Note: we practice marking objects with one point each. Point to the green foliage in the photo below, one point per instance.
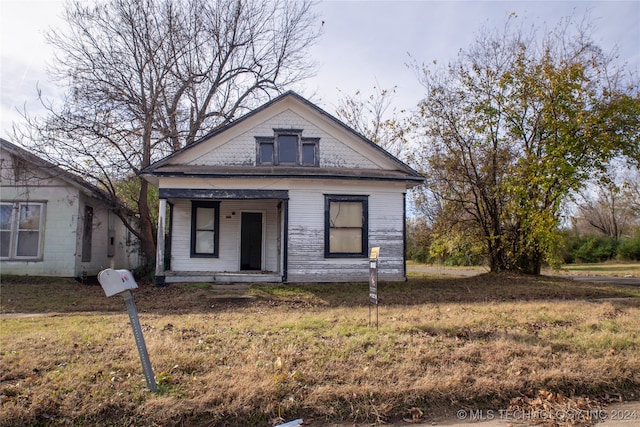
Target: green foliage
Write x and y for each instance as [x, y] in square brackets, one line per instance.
[596, 249]
[128, 190]
[629, 249]
[593, 248]
[456, 248]
[419, 254]
[516, 125]
[419, 238]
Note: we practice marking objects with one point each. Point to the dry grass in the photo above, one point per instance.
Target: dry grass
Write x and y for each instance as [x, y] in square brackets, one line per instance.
[308, 351]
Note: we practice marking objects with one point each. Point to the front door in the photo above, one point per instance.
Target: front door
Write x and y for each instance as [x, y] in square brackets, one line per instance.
[251, 241]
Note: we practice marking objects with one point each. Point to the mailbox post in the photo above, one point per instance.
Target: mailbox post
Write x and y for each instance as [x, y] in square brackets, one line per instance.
[115, 282]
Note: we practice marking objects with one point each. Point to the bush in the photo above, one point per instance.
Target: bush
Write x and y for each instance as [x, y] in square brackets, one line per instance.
[419, 254]
[629, 249]
[595, 249]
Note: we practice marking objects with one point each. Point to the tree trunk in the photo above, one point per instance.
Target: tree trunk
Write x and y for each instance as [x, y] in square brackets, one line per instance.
[147, 234]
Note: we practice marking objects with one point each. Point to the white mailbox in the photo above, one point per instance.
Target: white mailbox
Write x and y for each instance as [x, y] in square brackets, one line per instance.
[116, 281]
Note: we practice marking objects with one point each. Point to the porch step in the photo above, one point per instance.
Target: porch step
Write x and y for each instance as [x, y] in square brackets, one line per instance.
[224, 280]
[231, 287]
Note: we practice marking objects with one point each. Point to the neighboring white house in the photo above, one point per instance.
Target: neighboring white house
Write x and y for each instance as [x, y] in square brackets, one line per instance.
[286, 193]
[53, 223]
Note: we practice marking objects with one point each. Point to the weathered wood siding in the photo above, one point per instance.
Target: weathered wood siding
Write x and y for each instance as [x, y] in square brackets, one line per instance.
[382, 181]
[241, 150]
[63, 227]
[306, 233]
[306, 260]
[228, 259]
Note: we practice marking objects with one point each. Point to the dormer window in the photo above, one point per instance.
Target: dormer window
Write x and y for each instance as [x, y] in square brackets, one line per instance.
[287, 148]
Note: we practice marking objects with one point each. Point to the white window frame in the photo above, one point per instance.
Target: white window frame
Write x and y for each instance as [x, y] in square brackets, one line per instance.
[14, 231]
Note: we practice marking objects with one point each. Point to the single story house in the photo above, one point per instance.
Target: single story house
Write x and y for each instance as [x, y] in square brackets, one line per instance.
[286, 193]
[54, 223]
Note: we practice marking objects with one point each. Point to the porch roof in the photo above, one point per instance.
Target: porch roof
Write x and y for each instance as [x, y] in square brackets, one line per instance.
[279, 172]
[190, 193]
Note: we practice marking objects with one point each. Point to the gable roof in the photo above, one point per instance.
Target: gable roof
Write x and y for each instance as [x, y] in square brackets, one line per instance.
[55, 171]
[165, 168]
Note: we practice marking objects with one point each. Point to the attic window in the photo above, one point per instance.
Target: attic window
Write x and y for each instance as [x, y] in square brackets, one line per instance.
[287, 148]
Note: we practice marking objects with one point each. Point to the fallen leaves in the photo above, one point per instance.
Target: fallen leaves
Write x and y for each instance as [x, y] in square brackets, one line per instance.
[554, 409]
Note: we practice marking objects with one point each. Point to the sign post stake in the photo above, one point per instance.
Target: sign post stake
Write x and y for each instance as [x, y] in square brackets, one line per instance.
[373, 282]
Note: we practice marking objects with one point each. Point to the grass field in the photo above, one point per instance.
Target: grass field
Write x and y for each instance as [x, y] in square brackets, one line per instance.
[618, 269]
[68, 357]
[613, 269]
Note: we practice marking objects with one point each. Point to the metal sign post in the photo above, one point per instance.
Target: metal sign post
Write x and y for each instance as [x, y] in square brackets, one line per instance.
[373, 282]
[119, 282]
[142, 347]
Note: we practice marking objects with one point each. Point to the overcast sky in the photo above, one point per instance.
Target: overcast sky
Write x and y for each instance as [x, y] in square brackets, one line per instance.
[364, 42]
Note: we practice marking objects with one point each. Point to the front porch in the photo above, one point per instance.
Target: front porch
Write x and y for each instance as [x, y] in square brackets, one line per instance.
[222, 236]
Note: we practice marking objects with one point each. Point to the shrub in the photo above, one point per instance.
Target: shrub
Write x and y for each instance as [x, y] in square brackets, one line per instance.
[596, 249]
[629, 249]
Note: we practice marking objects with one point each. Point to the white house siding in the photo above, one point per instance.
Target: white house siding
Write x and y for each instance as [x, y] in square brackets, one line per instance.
[228, 259]
[61, 217]
[125, 254]
[341, 153]
[306, 233]
[63, 226]
[241, 151]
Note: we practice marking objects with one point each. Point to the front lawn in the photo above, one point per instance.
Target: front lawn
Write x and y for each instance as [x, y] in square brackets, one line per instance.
[68, 357]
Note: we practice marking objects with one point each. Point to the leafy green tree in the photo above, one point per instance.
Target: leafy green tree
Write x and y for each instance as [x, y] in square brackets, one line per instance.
[147, 77]
[517, 123]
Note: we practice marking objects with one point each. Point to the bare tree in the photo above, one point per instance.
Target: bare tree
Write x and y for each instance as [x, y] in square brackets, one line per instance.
[374, 118]
[147, 77]
[611, 205]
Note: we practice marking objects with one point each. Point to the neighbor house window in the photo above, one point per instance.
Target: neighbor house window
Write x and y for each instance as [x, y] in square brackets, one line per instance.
[287, 148]
[346, 226]
[205, 220]
[21, 230]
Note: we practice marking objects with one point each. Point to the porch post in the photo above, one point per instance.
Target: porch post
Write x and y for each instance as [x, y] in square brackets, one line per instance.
[162, 214]
[285, 242]
[404, 236]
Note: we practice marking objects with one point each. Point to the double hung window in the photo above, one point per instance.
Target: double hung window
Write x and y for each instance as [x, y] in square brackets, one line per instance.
[205, 234]
[346, 226]
[21, 230]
